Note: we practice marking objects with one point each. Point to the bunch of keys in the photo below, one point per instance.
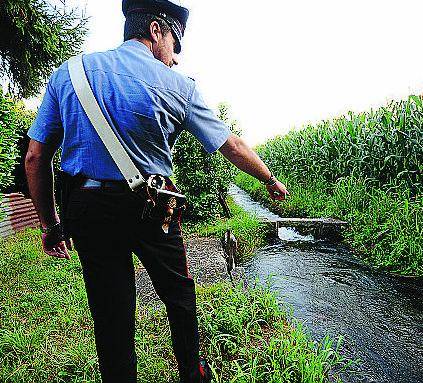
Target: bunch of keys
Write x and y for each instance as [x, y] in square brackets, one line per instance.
[161, 201]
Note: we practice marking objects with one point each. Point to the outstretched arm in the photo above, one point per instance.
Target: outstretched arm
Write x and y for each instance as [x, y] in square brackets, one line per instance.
[245, 159]
[38, 166]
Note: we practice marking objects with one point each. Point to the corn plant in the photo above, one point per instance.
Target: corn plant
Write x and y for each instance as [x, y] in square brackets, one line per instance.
[383, 147]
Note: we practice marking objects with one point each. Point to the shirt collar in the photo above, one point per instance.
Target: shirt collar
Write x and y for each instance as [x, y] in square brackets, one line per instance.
[138, 46]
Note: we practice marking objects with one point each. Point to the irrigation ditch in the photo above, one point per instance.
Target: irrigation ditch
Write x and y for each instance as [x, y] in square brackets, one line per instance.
[379, 316]
[329, 289]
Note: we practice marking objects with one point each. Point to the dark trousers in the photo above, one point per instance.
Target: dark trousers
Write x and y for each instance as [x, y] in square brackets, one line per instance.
[107, 228]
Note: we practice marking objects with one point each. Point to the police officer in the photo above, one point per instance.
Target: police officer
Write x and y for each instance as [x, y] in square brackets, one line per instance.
[148, 105]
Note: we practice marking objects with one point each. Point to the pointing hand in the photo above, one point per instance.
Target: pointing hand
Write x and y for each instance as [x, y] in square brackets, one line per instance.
[277, 191]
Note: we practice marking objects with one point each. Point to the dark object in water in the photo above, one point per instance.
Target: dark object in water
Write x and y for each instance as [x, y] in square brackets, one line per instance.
[229, 245]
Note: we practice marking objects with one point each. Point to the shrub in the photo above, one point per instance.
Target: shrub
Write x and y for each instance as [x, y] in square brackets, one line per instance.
[14, 122]
[202, 176]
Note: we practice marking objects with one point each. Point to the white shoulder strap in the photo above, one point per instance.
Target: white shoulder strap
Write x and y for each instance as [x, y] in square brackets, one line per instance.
[95, 115]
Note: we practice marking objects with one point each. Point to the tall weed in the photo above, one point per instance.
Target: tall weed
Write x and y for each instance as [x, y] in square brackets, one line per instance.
[385, 228]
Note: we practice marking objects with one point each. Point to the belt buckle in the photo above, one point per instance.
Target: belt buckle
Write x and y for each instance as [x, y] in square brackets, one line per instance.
[91, 184]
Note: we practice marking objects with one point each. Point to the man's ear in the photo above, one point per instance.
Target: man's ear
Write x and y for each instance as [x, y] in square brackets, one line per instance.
[155, 31]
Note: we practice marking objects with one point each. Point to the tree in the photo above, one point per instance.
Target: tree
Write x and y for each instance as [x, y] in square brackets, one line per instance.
[35, 38]
[203, 177]
[14, 122]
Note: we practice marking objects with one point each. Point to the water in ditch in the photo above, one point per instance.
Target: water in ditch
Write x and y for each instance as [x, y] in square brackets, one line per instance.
[332, 292]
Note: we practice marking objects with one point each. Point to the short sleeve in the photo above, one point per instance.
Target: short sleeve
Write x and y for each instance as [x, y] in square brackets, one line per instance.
[204, 125]
[47, 127]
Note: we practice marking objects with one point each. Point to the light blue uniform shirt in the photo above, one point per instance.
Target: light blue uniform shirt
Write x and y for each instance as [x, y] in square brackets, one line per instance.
[146, 103]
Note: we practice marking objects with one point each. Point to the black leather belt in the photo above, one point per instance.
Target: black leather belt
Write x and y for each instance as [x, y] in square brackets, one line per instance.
[118, 186]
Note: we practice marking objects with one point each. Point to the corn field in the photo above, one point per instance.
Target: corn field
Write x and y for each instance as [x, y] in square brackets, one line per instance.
[383, 147]
[364, 168]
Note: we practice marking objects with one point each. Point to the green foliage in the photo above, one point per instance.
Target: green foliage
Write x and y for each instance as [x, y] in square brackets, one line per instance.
[46, 332]
[384, 147]
[45, 328]
[36, 37]
[366, 168]
[249, 231]
[250, 338]
[202, 176]
[386, 228]
[14, 122]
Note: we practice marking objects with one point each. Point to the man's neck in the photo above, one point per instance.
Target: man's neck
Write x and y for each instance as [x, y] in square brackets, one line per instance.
[144, 41]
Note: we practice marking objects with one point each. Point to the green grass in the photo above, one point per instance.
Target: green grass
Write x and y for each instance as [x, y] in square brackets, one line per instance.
[365, 168]
[46, 334]
[250, 232]
[385, 228]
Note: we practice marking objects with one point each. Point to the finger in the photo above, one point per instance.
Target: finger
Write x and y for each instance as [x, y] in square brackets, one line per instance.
[53, 253]
[283, 191]
[63, 250]
[275, 196]
[60, 250]
[69, 244]
[67, 256]
[60, 253]
[279, 196]
[50, 251]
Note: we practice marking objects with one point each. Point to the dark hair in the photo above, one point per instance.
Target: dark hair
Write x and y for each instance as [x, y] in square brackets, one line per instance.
[137, 25]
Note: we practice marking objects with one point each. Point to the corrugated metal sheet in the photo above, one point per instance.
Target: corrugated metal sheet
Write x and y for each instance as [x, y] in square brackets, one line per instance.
[18, 213]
